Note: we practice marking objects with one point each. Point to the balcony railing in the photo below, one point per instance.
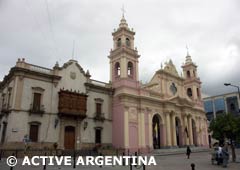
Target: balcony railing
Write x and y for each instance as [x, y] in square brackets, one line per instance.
[99, 117]
[37, 109]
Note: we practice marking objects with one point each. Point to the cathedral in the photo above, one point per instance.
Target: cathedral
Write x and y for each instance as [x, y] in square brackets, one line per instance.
[63, 107]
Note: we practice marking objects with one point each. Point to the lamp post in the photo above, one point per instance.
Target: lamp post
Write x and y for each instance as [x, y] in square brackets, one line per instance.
[232, 145]
[229, 84]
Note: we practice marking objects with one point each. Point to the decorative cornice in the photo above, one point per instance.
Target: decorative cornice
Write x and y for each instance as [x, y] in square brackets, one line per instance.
[123, 50]
[92, 87]
[158, 101]
[18, 71]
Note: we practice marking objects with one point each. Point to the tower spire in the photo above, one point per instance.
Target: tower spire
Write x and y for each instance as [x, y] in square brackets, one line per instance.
[188, 57]
[123, 23]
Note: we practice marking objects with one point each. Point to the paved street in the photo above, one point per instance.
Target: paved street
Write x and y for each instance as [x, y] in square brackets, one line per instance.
[171, 162]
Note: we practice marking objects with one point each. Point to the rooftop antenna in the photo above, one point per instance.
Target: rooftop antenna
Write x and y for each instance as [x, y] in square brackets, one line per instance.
[73, 50]
[123, 11]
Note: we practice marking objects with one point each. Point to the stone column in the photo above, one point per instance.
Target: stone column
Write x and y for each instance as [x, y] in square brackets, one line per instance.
[206, 132]
[123, 67]
[168, 126]
[194, 93]
[198, 132]
[143, 129]
[150, 138]
[174, 138]
[126, 128]
[139, 125]
[190, 130]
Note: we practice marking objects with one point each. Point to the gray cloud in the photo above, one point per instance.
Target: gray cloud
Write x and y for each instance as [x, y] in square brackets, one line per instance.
[211, 29]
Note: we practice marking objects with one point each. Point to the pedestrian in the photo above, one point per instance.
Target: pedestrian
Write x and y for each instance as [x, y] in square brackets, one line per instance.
[188, 152]
[219, 155]
[225, 155]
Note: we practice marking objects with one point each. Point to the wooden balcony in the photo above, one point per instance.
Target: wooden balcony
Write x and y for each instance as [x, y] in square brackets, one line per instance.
[72, 104]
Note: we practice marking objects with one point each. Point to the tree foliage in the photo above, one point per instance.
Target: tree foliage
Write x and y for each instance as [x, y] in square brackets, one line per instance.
[225, 126]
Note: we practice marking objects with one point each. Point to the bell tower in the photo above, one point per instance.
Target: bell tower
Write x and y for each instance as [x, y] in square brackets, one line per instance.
[123, 57]
[192, 81]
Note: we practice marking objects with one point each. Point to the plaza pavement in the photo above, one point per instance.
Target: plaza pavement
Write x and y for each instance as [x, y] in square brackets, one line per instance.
[202, 160]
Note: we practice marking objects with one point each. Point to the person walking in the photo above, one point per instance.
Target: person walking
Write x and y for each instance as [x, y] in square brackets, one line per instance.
[188, 152]
[225, 155]
[219, 155]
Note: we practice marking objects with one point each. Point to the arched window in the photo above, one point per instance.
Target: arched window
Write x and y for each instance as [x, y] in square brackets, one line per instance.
[117, 69]
[119, 42]
[130, 69]
[188, 74]
[127, 42]
[189, 92]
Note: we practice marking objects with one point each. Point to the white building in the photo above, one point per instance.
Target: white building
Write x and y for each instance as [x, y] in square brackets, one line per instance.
[32, 98]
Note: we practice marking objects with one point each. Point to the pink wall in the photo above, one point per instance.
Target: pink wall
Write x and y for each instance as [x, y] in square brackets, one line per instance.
[118, 124]
[133, 135]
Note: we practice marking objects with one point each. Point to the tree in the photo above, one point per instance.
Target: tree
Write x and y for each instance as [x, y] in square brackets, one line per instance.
[224, 127]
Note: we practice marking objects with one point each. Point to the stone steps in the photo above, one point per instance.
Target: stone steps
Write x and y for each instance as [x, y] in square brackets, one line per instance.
[175, 151]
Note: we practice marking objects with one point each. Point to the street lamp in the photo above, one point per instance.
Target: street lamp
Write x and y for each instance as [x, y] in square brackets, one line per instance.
[233, 148]
[229, 84]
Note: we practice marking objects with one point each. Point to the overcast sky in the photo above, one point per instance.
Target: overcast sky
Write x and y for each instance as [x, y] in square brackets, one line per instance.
[43, 31]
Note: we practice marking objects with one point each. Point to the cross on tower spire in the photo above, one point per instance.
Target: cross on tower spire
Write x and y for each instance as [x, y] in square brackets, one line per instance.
[187, 50]
[123, 11]
[188, 57]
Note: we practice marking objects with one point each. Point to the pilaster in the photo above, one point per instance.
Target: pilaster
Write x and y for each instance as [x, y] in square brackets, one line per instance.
[174, 138]
[168, 126]
[190, 130]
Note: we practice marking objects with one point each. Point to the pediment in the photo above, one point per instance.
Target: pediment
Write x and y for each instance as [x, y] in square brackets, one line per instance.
[181, 101]
[72, 62]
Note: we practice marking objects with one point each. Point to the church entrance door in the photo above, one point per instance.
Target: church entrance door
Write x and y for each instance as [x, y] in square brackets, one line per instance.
[156, 131]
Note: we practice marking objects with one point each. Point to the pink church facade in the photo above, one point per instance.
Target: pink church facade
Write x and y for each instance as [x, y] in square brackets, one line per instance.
[167, 112]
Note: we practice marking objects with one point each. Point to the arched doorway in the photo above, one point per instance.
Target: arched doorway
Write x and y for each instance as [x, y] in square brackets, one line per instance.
[156, 131]
[194, 131]
[69, 137]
